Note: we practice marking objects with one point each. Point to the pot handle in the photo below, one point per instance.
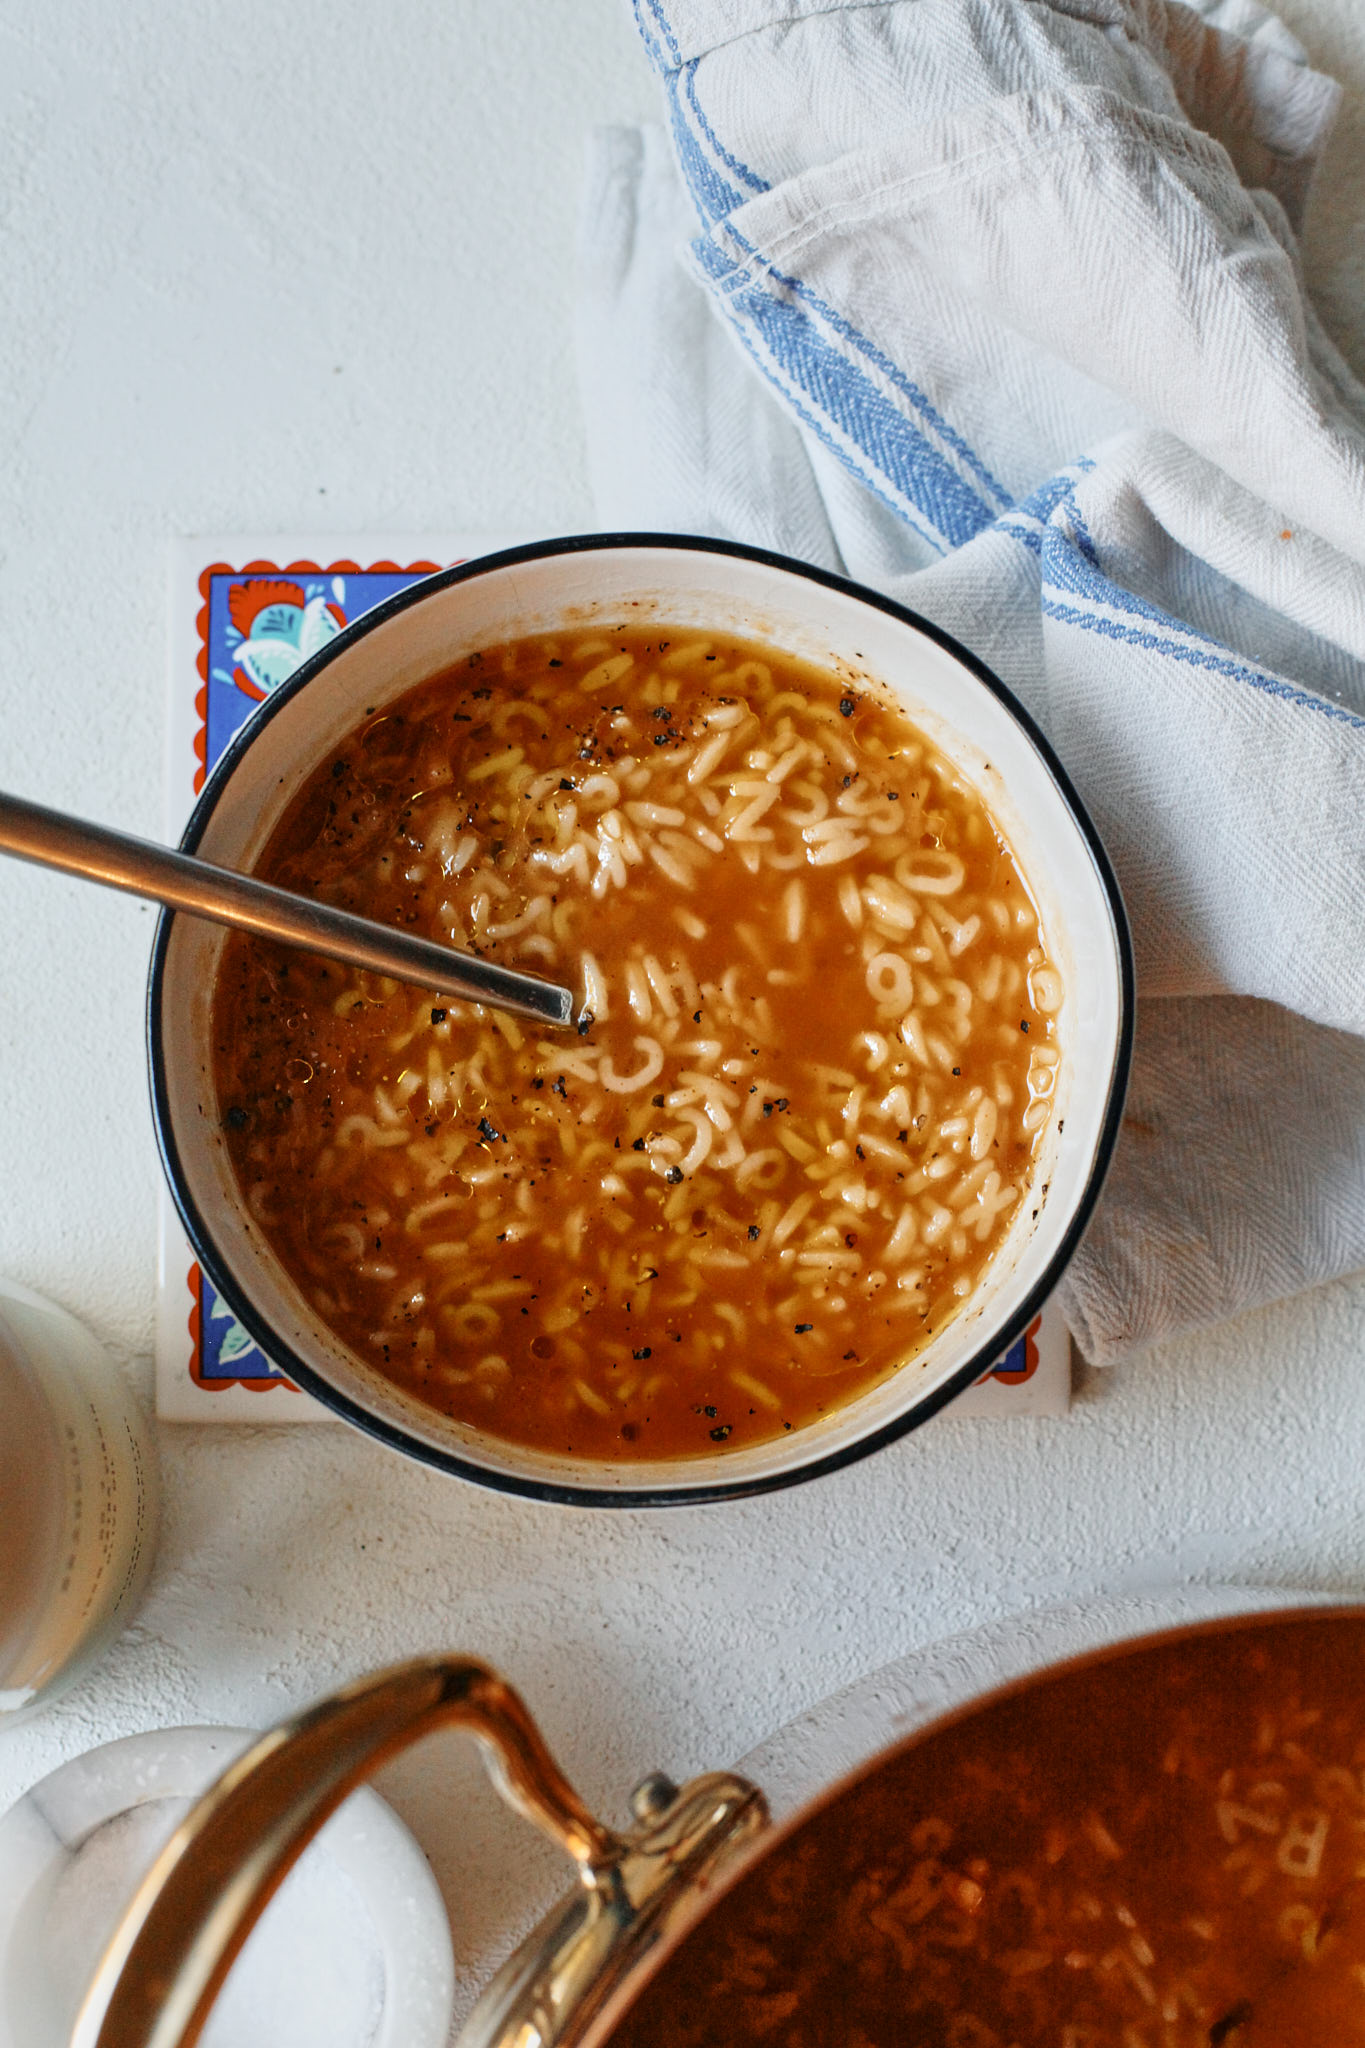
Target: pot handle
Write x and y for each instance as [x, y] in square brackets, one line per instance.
[191, 1916]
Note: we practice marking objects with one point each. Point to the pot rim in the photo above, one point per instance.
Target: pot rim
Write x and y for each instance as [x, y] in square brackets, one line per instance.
[711, 1490]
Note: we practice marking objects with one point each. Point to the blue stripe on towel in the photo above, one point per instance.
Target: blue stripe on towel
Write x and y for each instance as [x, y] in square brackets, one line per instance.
[652, 41]
[714, 197]
[712, 193]
[1066, 568]
[1033, 517]
[823, 431]
[647, 37]
[919, 477]
[894, 375]
[1070, 564]
[1205, 657]
[731, 162]
[852, 409]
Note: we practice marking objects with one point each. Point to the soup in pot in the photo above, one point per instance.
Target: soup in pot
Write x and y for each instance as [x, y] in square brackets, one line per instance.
[816, 1050]
[1162, 1850]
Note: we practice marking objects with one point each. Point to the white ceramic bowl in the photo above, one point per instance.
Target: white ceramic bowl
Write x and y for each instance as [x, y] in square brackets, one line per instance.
[75, 1848]
[679, 581]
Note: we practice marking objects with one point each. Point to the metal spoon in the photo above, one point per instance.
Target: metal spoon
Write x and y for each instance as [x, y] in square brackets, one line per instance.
[53, 840]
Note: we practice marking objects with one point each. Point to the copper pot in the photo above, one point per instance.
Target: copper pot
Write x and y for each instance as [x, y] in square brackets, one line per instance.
[1161, 1842]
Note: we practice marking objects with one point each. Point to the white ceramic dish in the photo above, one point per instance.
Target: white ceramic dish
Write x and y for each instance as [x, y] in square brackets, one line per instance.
[679, 581]
[75, 1848]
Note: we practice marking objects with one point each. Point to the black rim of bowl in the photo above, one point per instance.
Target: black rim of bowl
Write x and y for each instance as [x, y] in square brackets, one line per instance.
[711, 1488]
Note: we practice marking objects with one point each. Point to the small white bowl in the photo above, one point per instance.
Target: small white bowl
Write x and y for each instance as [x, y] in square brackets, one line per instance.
[680, 581]
[75, 1848]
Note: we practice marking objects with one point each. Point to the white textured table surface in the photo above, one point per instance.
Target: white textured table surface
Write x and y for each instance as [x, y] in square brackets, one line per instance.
[276, 269]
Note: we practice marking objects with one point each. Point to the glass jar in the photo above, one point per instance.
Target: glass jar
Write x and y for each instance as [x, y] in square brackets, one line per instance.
[78, 1499]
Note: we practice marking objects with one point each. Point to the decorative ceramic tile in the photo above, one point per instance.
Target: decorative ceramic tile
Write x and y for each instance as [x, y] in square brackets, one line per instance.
[244, 615]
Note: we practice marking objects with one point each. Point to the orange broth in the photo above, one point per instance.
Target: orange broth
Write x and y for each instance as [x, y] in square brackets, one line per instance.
[815, 1055]
[1159, 1850]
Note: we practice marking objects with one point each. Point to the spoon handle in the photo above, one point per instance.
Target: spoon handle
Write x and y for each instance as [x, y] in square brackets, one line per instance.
[53, 840]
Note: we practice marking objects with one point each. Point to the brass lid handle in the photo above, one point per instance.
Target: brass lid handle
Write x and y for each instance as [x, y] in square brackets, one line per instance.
[193, 1912]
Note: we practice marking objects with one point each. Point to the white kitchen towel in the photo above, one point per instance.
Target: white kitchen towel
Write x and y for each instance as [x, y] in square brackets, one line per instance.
[996, 305]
